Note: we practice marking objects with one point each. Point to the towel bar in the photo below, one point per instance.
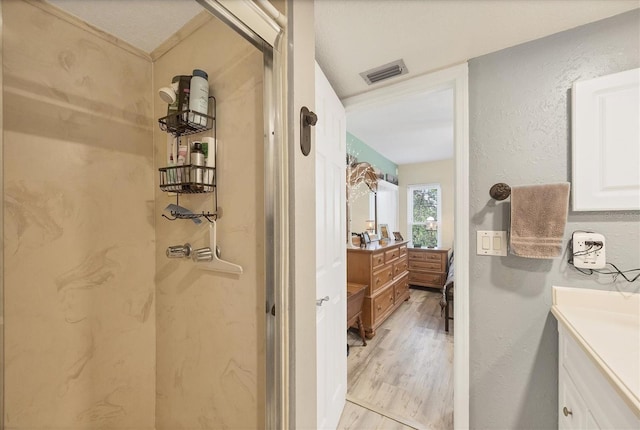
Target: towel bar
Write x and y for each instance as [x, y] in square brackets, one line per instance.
[500, 191]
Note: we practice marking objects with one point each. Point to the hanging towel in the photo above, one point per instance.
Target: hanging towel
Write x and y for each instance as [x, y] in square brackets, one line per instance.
[538, 218]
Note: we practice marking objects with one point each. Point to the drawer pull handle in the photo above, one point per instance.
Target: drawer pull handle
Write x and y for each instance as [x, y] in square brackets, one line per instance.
[377, 280]
[567, 412]
[390, 298]
[379, 307]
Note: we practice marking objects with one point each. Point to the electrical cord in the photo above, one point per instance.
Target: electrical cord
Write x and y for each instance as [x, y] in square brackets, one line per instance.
[589, 250]
[615, 273]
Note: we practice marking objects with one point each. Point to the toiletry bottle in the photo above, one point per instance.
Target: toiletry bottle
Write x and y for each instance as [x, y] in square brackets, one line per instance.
[209, 149]
[171, 159]
[183, 173]
[199, 97]
[182, 100]
[197, 164]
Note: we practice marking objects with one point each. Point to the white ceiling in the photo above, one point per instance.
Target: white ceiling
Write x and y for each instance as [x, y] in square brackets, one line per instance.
[411, 130]
[144, 24]
[355, 35]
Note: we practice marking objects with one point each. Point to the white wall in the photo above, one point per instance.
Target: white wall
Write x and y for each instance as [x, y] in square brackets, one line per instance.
[436, 172]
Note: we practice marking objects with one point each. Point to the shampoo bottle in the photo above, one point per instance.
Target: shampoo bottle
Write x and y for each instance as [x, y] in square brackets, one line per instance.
[199, 97]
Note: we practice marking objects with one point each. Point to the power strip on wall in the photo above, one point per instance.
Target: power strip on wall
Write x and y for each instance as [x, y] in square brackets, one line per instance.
[588, 250]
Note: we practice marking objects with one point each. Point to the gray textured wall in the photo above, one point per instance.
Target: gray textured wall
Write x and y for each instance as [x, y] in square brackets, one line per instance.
[520, 121]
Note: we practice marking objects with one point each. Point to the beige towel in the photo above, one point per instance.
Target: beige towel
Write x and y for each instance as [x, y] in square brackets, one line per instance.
[538, 218]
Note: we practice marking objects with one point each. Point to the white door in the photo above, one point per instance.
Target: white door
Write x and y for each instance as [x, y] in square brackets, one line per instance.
[331, 274]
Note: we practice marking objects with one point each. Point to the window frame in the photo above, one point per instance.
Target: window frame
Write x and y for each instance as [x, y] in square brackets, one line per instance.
[410, 223]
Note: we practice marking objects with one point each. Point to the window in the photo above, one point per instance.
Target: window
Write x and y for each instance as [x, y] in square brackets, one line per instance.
[423, 209]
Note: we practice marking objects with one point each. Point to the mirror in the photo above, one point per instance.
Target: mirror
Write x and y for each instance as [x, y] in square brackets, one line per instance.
[366, 206]
[361, 181]
[361, 207]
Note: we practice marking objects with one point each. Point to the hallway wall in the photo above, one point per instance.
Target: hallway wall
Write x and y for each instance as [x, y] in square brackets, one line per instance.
[520, 121]
[79, 227]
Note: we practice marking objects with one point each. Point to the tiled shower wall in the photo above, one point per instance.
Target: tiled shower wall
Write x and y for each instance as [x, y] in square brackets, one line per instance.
[78, 228]
[210, 326]
[102, 331]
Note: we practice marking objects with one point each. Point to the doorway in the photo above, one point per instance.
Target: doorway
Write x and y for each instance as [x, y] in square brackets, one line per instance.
[454, 78]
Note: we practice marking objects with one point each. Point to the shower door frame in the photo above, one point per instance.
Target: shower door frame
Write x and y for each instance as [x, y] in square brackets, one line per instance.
[2, 355]
[261, 30]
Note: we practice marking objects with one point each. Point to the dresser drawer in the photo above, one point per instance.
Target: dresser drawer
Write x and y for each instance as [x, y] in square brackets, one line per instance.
[417, 255]
[426, 255]
[381, 277]
[426, 265]
[400, 267]
[391, 255]
[383, 303]
[377, 259]
[401, 288]
[429, 279]
[403, 250]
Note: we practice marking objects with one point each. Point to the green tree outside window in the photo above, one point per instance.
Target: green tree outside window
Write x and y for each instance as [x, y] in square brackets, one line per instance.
[423, 213]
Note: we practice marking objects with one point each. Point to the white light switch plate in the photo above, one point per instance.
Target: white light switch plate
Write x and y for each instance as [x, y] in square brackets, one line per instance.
[491, 243]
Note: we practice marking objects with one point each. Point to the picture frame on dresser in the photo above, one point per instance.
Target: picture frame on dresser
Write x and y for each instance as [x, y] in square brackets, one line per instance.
[384, 231]
[397, 236]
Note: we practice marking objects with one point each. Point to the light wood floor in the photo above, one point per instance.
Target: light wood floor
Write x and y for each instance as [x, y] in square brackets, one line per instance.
[403, 378]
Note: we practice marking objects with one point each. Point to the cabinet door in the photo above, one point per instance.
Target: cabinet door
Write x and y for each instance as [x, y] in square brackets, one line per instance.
[572, 410]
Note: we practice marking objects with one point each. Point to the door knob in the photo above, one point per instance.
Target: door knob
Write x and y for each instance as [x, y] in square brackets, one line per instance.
[324, 299]
[307, 119]
[567, 411]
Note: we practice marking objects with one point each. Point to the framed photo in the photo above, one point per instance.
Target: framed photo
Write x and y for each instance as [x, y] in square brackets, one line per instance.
[384, 231]
[365, 238]
[397, 236]
[355, 240]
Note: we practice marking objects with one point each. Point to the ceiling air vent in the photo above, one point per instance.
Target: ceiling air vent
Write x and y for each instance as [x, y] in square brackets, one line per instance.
[385, 71]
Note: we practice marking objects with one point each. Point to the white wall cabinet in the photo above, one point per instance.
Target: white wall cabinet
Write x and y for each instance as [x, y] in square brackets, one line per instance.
[606, 142]
[587, 399]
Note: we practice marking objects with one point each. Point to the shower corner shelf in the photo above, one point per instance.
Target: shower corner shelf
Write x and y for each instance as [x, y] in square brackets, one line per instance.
[190, 179]
[186, 122]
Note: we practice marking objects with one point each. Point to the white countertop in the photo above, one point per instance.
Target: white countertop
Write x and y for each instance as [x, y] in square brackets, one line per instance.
[606, 324]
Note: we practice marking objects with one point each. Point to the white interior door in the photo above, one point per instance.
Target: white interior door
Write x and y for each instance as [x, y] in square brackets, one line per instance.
[331, 275]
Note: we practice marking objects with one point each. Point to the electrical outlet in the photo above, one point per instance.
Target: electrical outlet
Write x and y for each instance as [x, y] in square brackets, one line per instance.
[588, 250]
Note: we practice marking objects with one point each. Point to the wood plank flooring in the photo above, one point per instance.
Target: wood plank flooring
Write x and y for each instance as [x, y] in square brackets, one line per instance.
[403, 378]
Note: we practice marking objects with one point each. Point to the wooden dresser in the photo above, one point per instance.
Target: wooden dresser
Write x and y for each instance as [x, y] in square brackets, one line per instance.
[384, 269]
[428, 266]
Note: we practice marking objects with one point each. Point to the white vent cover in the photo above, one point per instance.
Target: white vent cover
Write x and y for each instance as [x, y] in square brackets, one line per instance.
[386, 71]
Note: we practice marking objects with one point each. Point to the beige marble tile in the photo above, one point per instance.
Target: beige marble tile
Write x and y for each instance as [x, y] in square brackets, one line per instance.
[210, 327]
[79, 236]
[83, 318]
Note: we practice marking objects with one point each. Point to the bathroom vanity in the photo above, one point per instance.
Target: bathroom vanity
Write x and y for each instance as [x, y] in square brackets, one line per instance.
[599, 358]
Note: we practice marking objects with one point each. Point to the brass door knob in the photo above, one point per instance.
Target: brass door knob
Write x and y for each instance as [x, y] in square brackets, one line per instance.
[567, 411]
